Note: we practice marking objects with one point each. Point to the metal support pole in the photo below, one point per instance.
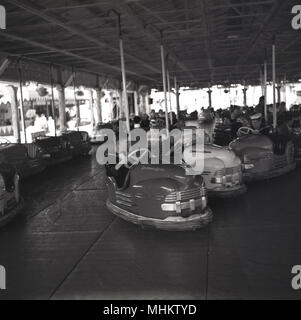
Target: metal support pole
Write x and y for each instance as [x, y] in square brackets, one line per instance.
[265, 79]
[52, 98]
[22, 101]
[245, 96]
[126, 102]
[92, 109]
[262, 79]
[169, 97]
[210, 97]
[164, 83]
[15, 112]
[98, 104]
[163, 75]
[76, 102]
[278, 93]
[177, 96]
[274, 83]
[136, 103]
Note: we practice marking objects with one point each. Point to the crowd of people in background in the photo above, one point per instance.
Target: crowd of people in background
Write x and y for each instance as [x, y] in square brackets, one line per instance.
[234, 117]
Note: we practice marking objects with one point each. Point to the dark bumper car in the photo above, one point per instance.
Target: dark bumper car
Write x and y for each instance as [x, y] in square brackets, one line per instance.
[264, 156]
[98, 137]
[54, 150]
[24, 157]
[158, 196]
[11, 202]
[79, 142]
[223, 134]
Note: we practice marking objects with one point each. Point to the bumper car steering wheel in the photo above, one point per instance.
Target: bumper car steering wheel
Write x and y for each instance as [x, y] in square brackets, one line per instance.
[243, 131]
[134, 160]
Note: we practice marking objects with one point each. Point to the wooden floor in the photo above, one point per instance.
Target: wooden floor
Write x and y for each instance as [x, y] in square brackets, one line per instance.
[66, 245]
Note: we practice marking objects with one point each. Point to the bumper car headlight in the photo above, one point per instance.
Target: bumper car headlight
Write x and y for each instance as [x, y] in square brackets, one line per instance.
[219, 177]
[248, 166]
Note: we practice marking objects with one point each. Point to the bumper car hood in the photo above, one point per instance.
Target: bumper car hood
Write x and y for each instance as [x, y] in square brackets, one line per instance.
[228, 157]
[166, 173]
[252, 142]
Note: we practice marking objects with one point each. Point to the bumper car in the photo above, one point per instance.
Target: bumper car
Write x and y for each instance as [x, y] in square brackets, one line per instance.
[223, 134]
[54, 150]
[10, 200]
[263, 156]
[97, 136]
[206, 117]
[222, 171]
[296, 137]
[158, 196]
[78, 141]
[24, 158]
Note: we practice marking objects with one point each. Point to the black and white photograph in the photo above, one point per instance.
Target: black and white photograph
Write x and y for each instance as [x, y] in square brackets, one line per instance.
[150, 153]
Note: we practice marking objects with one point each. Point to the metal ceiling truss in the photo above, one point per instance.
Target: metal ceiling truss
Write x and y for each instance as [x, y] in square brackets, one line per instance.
[207, 41]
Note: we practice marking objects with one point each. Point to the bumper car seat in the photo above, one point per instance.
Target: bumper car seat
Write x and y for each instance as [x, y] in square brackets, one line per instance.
[279, 143]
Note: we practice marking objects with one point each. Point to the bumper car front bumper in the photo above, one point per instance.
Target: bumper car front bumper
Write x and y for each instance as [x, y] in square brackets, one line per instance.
[226, 193]
[193, 222]
[276, 172]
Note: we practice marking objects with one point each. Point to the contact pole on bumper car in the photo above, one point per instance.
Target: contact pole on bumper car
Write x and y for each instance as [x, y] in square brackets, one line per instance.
[274, 83]
[76, 102]
[177, 96]
[164, 81]
[123, 71]
[22, 100]
[265, 79]
[169, 97]
[52, 97]
[162, 50]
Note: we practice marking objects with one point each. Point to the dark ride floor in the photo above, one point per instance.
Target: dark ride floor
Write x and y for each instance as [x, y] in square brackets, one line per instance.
[66, 245]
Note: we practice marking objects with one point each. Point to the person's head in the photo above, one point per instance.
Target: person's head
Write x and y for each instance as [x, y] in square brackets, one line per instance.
[261, 100]
[180, 124]
[145, 117]
[256, 121]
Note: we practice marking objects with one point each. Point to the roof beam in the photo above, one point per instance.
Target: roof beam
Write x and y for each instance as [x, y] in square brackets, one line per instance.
[37, 11]
[4, 65]
[269, 18]
[34, 43]
[207, 39]
[233, 7]
[140, 24]
[243, 4]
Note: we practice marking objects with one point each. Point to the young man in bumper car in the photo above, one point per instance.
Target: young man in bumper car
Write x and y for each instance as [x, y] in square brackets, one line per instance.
[10, 200]
[158, 196]
[264, 155]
